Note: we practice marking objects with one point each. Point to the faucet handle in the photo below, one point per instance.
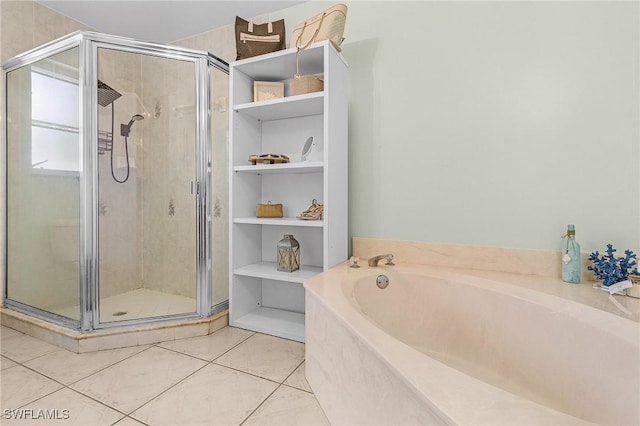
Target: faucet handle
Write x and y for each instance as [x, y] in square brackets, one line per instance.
[389, 260]
[353, 262]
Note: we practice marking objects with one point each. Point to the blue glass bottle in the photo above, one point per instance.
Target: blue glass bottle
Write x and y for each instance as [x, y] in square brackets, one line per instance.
[571, 257]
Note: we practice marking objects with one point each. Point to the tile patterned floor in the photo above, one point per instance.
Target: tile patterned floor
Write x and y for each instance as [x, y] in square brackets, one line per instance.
[231, 377]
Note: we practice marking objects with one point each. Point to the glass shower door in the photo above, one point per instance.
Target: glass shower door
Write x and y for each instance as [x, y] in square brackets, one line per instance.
[43, 166]
[219, 101]
[147, 213]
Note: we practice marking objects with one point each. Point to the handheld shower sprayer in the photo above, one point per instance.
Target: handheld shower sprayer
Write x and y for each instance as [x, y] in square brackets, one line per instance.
[126, 128]
[124, 131]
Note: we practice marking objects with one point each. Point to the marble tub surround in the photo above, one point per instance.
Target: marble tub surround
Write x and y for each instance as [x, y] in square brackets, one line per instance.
[133, 386]
[502, 259]
[535, 269]
[554, 344]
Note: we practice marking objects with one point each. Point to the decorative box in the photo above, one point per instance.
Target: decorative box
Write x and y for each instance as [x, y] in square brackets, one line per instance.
[267, 90]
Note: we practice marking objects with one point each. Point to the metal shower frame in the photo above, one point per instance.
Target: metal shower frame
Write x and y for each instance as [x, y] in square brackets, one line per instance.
[88, 44]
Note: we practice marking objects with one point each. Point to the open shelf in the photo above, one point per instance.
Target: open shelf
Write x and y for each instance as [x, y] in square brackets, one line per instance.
[300, 167]
[261, 298]
[268, 270]
[276, 322]
[281, 221]
[281, 65]
[289, 107]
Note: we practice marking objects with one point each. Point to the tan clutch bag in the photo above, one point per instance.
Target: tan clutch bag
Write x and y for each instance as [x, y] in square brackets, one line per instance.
[268, 210]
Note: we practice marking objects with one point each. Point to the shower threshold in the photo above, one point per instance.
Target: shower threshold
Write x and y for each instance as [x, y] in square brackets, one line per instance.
[112, 338]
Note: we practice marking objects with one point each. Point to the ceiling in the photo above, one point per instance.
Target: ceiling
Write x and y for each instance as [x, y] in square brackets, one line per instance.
[160, 21]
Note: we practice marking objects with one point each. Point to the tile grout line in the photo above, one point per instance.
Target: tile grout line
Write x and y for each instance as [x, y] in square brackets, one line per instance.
[131, 418]
[245, 372]
[260, 405]
[294, 387]
[110, 365]
[164, 391]
[274, 391]
[65, 386]
[157, 345]
[207, 364]
[198, 358]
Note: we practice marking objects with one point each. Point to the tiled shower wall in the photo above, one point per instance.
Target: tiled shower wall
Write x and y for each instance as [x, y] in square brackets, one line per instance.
[167, 168]
[119, 204]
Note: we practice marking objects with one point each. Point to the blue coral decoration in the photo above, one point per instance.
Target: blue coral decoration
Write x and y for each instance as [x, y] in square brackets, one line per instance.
[612, 269]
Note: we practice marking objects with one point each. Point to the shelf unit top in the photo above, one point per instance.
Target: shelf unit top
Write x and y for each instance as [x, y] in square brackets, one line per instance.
[281, 65]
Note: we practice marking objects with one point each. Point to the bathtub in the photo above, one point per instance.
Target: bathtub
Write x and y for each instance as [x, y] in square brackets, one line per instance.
[438, 346]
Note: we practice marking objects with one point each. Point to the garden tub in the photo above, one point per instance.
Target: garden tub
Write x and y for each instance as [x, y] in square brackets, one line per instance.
[438, 346]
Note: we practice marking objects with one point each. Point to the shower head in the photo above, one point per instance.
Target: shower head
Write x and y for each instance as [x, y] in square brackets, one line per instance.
[106, 94]
[126, 128]
[136, 117]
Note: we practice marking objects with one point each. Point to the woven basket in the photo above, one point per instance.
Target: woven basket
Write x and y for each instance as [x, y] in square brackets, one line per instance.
[306, 84]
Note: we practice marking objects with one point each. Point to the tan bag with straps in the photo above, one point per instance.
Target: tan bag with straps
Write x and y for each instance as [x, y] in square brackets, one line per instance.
[327, 25]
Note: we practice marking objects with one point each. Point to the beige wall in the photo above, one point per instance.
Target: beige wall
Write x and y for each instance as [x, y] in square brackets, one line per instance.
[492, 123]
[488, 123]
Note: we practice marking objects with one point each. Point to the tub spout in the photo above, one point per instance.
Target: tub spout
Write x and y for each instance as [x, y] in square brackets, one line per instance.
[375, 259]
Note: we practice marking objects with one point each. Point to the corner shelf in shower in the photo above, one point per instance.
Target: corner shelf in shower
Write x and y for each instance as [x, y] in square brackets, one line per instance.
[105, 141]
[262, 298]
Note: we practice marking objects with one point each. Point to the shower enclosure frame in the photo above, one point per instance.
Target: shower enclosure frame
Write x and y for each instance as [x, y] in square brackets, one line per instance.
[88, 44]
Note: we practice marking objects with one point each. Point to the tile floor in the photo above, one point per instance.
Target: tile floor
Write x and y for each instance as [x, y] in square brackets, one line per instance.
[231, 377]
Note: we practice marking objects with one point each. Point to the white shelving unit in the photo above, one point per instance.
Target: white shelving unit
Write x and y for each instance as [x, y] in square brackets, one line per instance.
[262, 298]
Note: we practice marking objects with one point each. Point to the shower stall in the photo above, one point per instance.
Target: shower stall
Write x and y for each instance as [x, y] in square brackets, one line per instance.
[115, 156]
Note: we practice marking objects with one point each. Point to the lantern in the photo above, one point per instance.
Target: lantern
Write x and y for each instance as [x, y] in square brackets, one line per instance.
[288, 254]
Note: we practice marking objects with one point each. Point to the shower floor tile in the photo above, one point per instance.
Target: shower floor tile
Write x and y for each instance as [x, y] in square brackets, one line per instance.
[183, 382]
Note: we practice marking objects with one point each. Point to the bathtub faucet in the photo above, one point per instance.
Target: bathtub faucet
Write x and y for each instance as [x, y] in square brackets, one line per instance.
[375, 259]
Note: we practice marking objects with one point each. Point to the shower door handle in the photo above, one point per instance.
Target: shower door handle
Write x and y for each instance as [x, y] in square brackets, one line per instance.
[195, 187]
